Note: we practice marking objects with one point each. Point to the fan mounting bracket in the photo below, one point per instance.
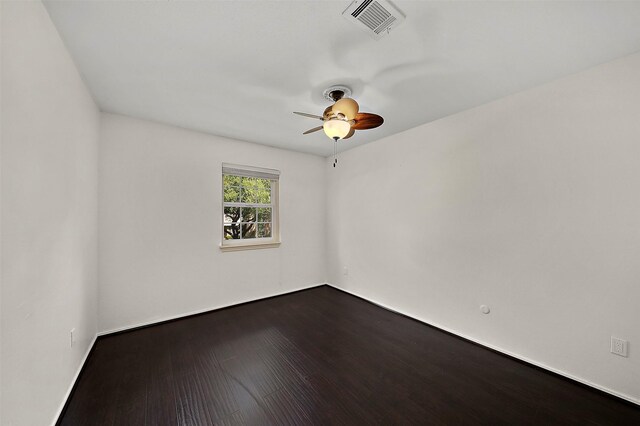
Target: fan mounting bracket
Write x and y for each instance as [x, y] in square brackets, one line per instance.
[337, 92]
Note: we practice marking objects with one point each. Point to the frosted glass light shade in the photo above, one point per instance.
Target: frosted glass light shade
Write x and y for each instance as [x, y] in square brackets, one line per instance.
[336, 128]
[347, 107]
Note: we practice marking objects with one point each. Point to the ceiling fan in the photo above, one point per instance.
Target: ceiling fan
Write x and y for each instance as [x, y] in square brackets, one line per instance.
[342, 118]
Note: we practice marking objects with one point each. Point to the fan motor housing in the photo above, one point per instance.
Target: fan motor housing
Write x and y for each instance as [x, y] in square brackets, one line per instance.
[337, 92]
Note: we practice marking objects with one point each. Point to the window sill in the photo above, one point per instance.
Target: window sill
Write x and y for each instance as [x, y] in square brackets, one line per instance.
[253, 246]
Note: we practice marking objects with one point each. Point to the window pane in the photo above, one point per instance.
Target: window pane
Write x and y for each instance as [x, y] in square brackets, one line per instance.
[230, 180]
[248, 214]
[231, 214]
[249, 181]
[248, 230]
[264, 230]
[248, 196]
[232, 232]
[231, 194]
[264, 214]
[256, 191]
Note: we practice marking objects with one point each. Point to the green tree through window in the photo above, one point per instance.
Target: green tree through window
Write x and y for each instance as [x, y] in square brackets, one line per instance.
[248, 207]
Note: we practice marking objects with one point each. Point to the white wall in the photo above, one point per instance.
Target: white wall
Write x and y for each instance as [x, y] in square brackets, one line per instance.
[160, 215]
[49, 219]
[530, 204]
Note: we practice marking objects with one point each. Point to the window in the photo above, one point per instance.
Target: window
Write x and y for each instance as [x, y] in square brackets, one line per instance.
[249, 207]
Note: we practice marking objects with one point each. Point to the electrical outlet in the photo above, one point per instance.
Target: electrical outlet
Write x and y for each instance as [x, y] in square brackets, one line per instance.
[73, 338]
[345, 271]
[619, 346]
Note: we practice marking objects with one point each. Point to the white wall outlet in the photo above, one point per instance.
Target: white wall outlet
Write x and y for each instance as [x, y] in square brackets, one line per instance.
[73, 337]
[619, 346]
[345, 271]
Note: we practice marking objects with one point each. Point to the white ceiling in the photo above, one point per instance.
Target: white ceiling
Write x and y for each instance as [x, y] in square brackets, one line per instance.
[239, 68]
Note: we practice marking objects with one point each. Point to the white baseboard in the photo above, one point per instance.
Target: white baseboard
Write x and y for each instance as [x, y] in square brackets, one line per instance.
[73, 382]
[200, 311]
[497, 349]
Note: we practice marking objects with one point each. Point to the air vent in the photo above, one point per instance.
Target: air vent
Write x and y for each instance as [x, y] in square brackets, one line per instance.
[376, 17]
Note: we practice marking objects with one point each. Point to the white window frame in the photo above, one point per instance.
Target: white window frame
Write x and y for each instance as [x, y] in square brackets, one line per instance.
[253, 243]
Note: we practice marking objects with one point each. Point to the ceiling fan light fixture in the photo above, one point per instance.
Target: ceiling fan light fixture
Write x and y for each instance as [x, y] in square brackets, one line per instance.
[335, 128]
[347, 107]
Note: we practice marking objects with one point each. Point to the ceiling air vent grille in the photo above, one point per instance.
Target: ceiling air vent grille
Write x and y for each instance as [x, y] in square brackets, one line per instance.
[376, 17]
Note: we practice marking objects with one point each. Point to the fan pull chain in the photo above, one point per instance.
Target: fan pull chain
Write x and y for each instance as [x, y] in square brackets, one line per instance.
[335, 151]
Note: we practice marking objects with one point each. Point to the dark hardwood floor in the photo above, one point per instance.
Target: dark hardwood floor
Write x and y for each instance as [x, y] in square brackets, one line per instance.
[320, 356]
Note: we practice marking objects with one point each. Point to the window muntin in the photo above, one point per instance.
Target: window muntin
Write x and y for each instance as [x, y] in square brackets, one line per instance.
[249, 206]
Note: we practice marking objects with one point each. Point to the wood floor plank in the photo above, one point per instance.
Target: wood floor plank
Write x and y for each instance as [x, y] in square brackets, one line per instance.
[160, 408]
[320, 357]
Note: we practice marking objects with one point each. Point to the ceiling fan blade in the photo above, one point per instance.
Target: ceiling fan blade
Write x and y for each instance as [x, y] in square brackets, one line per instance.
[304, 114]
[365, 120]
[315, 129]
[351, 132]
